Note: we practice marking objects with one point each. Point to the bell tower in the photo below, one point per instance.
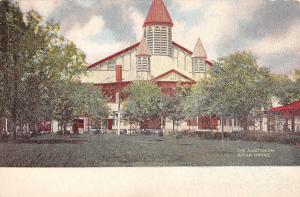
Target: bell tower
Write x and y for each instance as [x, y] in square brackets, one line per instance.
[158, 30]
[199, 58]
[143, 61]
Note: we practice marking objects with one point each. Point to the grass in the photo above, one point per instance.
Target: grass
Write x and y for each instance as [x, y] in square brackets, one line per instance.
[122, 151]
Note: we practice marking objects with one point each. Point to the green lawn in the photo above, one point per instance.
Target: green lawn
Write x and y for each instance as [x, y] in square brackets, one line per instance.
[108, 150]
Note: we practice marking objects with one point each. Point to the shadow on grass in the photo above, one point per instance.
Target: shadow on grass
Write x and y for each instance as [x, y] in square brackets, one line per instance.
[50, 141]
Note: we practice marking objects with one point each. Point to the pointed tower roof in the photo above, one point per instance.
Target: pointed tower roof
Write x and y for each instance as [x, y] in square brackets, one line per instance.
[199, 50]
[143, 48]
[158, 14]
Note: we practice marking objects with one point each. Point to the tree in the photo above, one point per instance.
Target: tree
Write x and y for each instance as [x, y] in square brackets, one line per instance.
[145, 101]
[285, 89]
[72, 99]
[34, 59]
[12, 31]
[237, 87]
[174, 105]
[94, 104]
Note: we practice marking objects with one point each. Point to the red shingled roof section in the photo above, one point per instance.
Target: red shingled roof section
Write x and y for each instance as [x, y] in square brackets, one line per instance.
[158, 14]
[182, 48]
[114, 55]
[295, 106]
[174, 71]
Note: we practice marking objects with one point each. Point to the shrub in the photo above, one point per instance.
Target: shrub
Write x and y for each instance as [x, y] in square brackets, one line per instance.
[286, 138]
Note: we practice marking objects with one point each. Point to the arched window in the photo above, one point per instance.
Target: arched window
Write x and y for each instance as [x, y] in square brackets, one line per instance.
[157, 40]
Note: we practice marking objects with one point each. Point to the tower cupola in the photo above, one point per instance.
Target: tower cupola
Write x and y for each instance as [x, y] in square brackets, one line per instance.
[199, 58]
[143, 61]
[158, 30]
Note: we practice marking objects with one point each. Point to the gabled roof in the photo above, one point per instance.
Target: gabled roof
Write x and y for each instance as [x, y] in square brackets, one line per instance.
[199, 50]
[135, 46]
[182, 48]
[173, 71]
[143, 48]
[189, 52]
[158, 14]
[114, 55]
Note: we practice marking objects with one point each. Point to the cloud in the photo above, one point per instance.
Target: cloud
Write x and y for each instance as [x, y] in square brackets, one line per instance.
[223, 20]
[137, 20]
[284, 43]
[102, 27]
[220, 22]
[188, 5]
[43, 7]
[83, 36]
[94, 26]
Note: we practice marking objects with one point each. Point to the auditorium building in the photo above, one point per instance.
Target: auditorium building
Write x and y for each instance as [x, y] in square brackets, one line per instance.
[156, 57]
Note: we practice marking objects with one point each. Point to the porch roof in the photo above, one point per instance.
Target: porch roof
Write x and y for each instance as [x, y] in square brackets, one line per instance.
[290, 108]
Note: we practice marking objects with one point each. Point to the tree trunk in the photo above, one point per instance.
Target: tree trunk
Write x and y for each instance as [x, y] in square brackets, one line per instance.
[269, 122]
[293, 123]
[173, 125]
[222, 124]
[245, 123]
[14, 124]
[65, 129]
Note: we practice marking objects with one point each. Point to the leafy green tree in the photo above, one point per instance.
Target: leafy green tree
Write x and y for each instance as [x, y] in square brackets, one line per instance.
[12, 37]
[237, 87]
[297, 75]
[72, 99]
[94, 103]
[174, 105]
[34, 58]
[285, 89]
[145, 102]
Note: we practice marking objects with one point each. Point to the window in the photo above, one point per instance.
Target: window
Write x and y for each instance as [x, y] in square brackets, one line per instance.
[149, 36]
[111, 65]
[198, 65]
[143, 64]
[159, 40]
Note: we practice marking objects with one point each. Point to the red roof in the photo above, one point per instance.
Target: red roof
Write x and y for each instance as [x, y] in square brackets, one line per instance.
[114, 55]
[158, 14]
[182, 48]
[135, 46]
[174, 71]
[293, 107]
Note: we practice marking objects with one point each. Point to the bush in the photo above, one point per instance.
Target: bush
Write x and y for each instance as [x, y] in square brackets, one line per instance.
[286, 138]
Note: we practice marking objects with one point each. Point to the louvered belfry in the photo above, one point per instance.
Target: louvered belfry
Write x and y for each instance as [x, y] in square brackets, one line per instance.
[158, 29]
[143, 61]
[199, 58]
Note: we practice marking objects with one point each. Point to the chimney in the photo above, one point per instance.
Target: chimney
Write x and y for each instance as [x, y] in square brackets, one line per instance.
[118, 73]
